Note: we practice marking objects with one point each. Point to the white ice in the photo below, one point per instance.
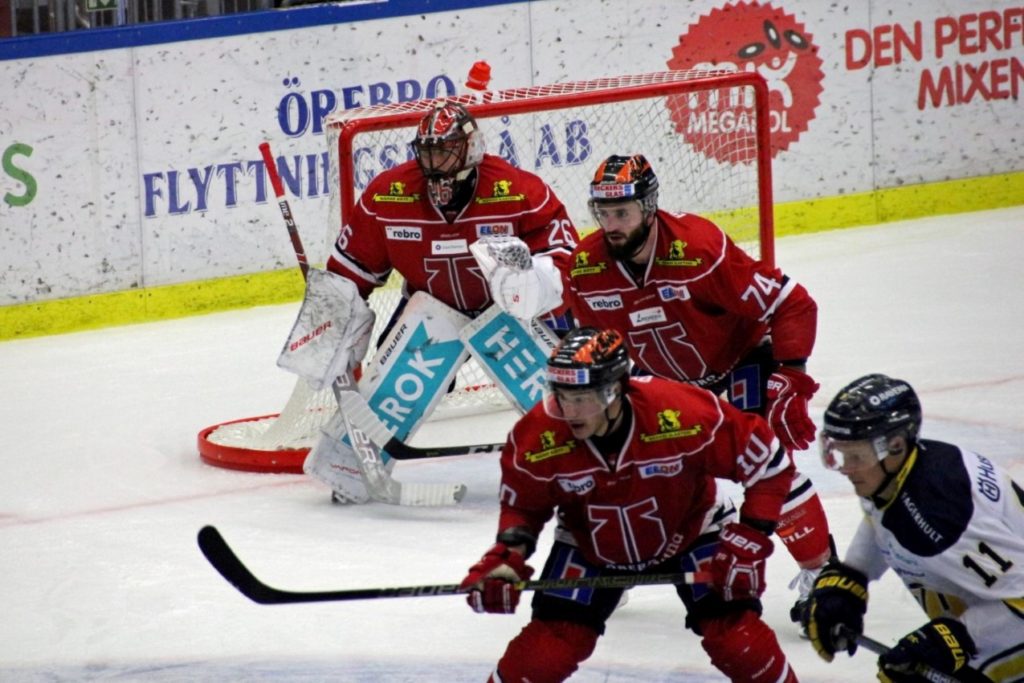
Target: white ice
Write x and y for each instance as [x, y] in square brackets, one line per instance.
[102, 491]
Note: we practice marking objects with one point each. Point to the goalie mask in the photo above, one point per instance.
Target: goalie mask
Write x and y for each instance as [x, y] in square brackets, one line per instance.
[874, 408]
[448, 146]
[585, 373]
[618, 182]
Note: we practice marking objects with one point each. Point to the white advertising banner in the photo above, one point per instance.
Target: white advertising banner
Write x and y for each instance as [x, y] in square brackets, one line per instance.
[138, 166]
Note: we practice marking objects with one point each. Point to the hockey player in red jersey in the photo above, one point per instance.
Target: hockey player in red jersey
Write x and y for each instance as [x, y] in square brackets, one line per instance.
[696, 308]
[420, 218]
[629, 464]
[427, 219]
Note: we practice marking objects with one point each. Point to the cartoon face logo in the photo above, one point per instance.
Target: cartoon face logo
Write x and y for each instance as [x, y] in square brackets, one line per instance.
[748, 37]
[547, 440]
[396, 189]
[502, 188]
[668, 420]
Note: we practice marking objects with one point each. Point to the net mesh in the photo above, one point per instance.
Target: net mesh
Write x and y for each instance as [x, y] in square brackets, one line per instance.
[698, 129]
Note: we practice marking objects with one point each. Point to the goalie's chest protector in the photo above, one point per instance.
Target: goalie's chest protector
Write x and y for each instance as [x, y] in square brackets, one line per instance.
[432, 254]
[652, 502]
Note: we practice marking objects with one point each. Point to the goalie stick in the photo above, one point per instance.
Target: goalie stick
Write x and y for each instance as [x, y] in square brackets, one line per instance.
[379, 482]
[927, 672]
[360, 416]
[224, 560]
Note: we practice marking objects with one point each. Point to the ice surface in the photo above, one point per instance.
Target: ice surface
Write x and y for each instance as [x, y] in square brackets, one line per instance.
[102, 491]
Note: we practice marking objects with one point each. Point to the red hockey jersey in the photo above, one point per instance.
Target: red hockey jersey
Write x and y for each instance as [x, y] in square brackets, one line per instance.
[653, 502]
[396, 226]
[700, 306]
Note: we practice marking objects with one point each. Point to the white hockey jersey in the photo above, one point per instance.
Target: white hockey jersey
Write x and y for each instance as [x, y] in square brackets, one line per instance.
[954, 533]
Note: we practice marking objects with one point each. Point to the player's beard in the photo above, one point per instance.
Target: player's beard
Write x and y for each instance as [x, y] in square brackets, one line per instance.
[624, 251]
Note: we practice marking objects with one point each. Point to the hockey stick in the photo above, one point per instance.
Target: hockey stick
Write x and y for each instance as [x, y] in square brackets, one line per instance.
[360, 416]
[921, 669]
[224, 560]
[379, 483]
[286, 211]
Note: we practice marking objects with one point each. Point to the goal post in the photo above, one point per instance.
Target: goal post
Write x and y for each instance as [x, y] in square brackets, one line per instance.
[706, 134]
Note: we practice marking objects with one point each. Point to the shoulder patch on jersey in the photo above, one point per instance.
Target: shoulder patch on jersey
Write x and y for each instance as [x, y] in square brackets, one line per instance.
[677, 256]
[608, 302]
[396, 195]
[401, 232]
[549, 448]
[581, 265]
[669, 427]
[988, 485]
[484, 229]
[661, 469]
[501, 192]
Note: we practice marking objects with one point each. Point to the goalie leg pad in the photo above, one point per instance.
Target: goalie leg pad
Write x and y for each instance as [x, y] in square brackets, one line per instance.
[745, 648]
[332, 331]
[546, 652]
[333, 462]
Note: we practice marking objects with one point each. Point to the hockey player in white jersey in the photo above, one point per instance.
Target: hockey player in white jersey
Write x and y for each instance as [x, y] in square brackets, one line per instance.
[948, 521]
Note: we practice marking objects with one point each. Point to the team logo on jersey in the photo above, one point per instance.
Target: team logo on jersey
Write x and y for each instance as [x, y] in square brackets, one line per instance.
[399, 232]
[648, 316]
[670, 293]
[669, 427]
[549, 448]
[501, 192]
[581, 485]
[661, 469]
[396, 195]
[449, 247]
[582, 265]
[605, 303]
[676, 256]
[484, 229]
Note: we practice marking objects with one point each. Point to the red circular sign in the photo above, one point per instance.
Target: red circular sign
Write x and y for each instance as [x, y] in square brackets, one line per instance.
[747, 37]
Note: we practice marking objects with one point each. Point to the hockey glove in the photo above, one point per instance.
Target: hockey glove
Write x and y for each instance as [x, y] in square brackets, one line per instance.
[737, 567]
[521, 284]
[491, 582]
[789, 391]
[942, 644]
[839, 599]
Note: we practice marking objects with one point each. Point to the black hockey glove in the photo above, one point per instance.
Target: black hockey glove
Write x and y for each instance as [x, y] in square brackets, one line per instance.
[942, 644]
[839, 599]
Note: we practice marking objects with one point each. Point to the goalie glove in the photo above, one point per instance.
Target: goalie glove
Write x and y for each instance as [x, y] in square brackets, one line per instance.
[332, 331]
[491, 582]
[839, 599]
[942, 644]
[789, 391]
[525, 286]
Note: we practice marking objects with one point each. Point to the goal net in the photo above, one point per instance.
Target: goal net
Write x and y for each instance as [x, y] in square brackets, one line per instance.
[705, 133]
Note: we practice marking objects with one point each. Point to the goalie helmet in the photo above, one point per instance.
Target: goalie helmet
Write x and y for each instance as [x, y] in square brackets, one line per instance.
[872, 406]
[448, 146]
[622, 179]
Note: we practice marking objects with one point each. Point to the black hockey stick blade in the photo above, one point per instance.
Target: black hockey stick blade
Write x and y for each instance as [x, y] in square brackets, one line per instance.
[224, 560]
[965, 675]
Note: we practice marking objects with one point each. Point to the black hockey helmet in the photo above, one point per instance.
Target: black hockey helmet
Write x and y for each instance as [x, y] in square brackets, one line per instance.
[872, 408]
[588, 358]
[622, 179]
